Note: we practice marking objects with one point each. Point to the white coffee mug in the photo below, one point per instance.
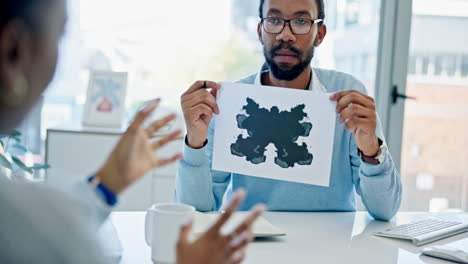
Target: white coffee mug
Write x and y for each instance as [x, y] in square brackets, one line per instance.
[162, 228]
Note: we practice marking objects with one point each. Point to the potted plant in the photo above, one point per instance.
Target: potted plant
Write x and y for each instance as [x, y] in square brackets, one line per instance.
[16, 161]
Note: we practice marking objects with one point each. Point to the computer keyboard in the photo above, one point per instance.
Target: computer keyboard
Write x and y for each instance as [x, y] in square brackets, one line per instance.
[425, 231]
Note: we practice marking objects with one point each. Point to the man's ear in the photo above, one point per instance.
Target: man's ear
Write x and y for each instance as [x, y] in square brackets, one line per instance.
[322, 32]
[260, 32]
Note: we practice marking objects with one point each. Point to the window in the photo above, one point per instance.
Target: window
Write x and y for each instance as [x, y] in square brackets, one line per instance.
[464, 66]
[167, 45]
[352, 12]
[438, 64]
[425, 65]
[165, 48]
[450, 65]
[412, 68]
[435, 142]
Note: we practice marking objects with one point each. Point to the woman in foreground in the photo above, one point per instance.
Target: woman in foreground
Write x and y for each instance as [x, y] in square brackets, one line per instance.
[39, 225]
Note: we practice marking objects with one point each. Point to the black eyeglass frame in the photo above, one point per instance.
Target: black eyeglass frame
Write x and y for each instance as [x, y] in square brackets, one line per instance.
[288, 21]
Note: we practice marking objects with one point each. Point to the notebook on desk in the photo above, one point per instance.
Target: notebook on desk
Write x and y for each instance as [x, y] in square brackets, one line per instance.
[261, 227]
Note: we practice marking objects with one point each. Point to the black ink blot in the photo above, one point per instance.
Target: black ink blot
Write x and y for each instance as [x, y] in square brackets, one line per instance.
[282, 129]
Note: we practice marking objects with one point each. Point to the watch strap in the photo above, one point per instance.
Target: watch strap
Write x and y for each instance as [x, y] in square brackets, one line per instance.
[204, 143]
[368, 159]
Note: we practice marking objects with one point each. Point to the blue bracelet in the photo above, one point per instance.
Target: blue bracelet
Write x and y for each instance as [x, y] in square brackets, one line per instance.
[109, 197]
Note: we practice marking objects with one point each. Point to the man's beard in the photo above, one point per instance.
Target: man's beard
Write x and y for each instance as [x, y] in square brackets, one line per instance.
[283, 72]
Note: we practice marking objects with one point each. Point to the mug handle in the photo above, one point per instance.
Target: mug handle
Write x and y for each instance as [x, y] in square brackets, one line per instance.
[148, 227]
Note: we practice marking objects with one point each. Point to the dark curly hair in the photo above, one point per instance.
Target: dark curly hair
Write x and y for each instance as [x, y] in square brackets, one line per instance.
[320, 6]
[19, 9]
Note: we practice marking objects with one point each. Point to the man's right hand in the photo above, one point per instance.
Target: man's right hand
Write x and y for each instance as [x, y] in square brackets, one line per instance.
[199, 105]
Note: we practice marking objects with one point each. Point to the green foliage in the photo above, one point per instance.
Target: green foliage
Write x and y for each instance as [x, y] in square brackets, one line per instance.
[5, 162]
[20, 147]
[40, 167]
[16, 135]
[18, 162]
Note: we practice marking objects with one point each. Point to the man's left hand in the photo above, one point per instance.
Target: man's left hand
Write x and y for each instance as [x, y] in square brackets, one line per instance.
[358, 111]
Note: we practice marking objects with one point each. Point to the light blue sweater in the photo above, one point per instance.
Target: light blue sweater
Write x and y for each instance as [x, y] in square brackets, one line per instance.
[378, 185]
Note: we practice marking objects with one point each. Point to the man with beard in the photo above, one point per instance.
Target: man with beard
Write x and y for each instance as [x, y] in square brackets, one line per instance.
[289, 31]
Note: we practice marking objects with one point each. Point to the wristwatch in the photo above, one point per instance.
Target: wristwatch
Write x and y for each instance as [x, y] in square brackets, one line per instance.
[187, 144]
[379, 158]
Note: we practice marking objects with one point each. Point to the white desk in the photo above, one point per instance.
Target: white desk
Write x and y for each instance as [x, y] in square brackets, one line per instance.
[311, 238]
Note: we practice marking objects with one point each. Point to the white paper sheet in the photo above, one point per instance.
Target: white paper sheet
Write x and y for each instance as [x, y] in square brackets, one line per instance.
[287, 160]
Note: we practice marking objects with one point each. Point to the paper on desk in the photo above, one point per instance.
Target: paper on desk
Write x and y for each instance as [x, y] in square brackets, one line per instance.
[261, 227]
[276, 133]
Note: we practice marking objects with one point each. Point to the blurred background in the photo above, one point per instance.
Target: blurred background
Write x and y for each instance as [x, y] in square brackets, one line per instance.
[167, 45]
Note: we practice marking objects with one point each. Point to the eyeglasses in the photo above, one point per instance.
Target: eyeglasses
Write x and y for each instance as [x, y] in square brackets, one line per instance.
[299, 26]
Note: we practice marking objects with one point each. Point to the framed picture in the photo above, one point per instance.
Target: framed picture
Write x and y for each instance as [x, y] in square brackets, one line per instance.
[105, 100]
